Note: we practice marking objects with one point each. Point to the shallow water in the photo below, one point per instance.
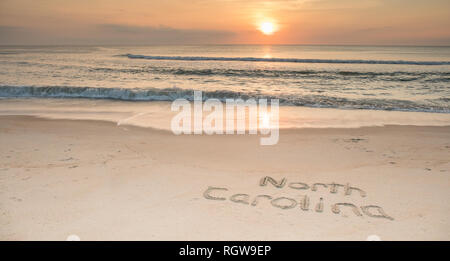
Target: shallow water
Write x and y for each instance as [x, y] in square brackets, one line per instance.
[158, 114]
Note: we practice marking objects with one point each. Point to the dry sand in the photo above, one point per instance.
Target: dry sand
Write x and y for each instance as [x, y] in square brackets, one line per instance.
[101, 181]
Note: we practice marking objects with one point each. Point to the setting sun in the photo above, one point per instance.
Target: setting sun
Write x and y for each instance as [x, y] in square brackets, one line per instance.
[267, 28]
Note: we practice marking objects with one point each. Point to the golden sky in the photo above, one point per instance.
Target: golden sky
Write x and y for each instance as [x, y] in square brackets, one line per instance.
[378, 22]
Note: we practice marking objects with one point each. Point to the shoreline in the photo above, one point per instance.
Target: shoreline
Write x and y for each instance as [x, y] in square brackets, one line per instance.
[101, 181]
[288, 130]
[157, 115]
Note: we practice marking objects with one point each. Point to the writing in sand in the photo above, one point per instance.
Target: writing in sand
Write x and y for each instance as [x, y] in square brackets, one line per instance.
[304, 204]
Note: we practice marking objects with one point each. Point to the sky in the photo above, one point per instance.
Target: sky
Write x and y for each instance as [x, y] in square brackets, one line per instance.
[140, 22]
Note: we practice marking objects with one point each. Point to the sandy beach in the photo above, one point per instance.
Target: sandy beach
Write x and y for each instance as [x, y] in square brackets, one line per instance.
[240, 123]
[101, 181]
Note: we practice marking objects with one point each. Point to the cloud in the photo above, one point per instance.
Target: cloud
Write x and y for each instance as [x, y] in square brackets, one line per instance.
[161, 35]
[12, 31]
[14, 35]
[114, 34]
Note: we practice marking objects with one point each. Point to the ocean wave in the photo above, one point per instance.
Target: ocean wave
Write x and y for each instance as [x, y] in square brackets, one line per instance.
[171, 94]
[432, 76]
[282, 60]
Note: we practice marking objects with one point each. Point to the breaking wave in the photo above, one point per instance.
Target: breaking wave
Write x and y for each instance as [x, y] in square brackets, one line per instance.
[171, 94]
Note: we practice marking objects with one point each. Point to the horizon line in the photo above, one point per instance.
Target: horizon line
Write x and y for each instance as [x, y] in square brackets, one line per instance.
[209, 44]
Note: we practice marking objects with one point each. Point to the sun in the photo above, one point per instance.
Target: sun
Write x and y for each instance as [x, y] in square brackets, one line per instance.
[267, 28]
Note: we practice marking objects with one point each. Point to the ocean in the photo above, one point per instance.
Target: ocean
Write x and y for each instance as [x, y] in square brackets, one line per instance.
[346, 77]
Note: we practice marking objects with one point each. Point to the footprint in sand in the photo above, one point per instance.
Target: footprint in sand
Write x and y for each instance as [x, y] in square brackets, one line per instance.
[16, 199]
[357, 144]
[356, 140]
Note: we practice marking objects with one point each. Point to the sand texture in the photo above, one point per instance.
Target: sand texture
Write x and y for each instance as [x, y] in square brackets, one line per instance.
[101, 181]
